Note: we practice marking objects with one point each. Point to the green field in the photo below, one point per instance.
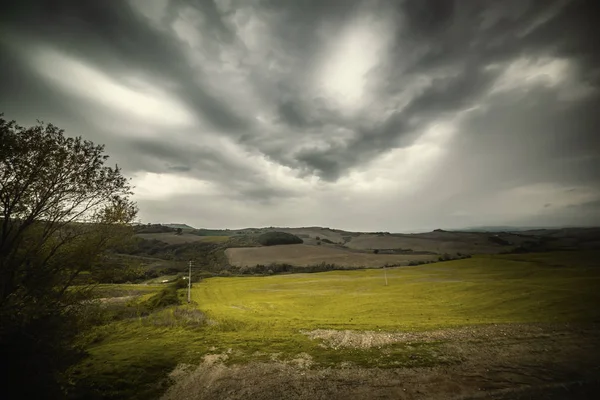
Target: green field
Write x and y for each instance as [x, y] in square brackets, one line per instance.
[260, 318]
[473, 291]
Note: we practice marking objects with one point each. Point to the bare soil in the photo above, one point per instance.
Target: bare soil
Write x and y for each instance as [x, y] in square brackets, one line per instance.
[535, 362]
[305, 255]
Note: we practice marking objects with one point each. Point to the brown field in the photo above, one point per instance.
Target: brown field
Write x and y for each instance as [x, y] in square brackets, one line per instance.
[304, 255]
[420, 243]
[438, 242]
[172, 238]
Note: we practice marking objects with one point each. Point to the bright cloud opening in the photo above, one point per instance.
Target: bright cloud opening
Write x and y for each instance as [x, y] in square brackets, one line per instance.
[349, 59]
[148, 104]
[151, 186]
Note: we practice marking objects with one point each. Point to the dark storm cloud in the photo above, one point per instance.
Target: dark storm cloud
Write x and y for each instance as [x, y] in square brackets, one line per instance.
[23, 95]
[434, 35]
[240, 181]
[111, 34]
[456, 40]
[247, 73]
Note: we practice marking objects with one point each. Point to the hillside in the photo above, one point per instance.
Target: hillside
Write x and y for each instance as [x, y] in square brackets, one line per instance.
[305, 255]
[182, 226]
[219, 249]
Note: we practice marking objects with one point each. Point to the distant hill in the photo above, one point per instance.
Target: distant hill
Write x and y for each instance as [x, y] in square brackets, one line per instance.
[182, 226]
[218, 249]
[502, 228]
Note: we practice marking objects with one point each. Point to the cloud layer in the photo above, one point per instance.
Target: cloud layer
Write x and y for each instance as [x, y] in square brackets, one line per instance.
[366, 115]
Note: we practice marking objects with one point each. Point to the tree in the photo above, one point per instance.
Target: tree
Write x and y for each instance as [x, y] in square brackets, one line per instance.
[276, 238]
[61, 208]
[179, 231]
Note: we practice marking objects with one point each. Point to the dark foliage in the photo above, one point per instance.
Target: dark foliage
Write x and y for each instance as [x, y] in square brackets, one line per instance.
[210, 255]
[61, 208]
[167, 296]
[276, 238]
[498, 240]
[154, 228]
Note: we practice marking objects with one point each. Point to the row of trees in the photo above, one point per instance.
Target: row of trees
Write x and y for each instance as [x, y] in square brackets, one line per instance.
[61, 208]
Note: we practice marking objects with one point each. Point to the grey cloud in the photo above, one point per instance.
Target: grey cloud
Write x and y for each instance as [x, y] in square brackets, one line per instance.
[459, 39]
[180, 168]
[593, 205]
[533, 137]
[239, 181]
[112, 35]
[290, 112]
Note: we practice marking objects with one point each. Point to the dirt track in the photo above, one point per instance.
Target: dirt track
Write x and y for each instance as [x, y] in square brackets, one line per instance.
[527, 362]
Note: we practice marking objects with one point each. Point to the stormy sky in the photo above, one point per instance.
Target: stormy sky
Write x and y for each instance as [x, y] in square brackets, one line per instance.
[361, 115]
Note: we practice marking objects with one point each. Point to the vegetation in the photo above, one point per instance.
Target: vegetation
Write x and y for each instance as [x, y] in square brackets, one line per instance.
[207, 253]
[167, 296]
[283, 268]
[258, 318]
[211, 232]
[61, 207]
[154, 228]
[277, 238]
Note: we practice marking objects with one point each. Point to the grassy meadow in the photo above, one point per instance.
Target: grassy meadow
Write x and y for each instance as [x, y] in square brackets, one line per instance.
[473, 291]
[262, 318]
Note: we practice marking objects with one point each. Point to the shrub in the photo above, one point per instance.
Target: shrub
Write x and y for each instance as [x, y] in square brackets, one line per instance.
[204, 274]
[275, 238]
[318, 238]
[179, 316]
[167, 296]
[376, 251]
[153, 228]
[318, 243]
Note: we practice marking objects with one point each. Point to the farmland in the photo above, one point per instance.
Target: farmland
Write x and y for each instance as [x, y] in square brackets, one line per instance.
[535, 313]
[172, 238]
[304, 255]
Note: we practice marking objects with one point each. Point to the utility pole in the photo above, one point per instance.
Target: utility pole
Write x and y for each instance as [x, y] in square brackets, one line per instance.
[190, 283]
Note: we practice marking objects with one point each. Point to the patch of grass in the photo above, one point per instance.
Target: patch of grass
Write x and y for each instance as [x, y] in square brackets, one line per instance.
[132, 360]
[479, 290]
[120, 290]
